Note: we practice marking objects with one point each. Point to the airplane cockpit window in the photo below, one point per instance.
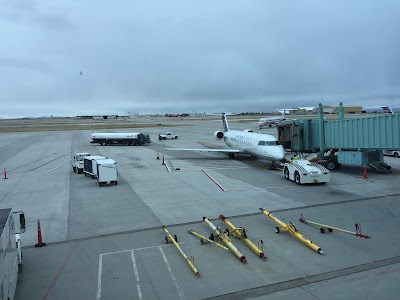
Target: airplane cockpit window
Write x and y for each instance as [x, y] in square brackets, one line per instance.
[261, 143]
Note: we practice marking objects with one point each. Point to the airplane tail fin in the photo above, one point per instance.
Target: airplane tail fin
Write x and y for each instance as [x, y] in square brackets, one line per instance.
[225, 123]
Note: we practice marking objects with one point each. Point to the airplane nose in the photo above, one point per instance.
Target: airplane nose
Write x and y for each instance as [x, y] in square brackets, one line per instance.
[279, 153]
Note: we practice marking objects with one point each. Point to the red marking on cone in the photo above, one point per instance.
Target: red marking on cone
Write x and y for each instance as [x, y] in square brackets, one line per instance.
[5, 174]
[39, 233]
[365, 173]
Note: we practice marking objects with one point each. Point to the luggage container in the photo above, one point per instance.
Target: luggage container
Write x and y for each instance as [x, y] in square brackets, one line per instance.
[107, 172]
[89, 165]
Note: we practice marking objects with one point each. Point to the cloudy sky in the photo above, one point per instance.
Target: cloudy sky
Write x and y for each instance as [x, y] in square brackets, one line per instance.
[204, 56]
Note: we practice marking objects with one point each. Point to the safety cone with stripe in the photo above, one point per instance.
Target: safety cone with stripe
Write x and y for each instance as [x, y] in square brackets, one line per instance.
[39, 233]
[365, 173]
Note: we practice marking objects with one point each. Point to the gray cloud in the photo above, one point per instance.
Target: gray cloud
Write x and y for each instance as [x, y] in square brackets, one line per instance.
[179, 56]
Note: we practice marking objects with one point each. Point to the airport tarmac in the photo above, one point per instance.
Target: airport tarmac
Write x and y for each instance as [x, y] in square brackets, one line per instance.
[108, 242]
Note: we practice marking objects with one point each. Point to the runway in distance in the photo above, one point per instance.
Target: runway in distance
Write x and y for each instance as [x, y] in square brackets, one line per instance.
[271, 121]
[247, 142]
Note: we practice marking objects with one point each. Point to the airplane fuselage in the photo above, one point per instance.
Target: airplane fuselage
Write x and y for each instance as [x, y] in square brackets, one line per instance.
[270, 121]
[256, 144]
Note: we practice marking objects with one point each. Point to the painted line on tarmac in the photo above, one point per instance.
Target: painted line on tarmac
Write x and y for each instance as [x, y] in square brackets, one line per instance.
[213, 180]
[136, 275]
[180, 292]
[53, 283]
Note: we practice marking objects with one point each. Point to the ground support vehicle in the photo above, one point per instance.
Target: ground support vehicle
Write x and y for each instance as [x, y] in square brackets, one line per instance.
[303, 171]
[128, 139]
[395, 153]
[107, 172]
[77, 162]
[10, 250]
[90, 165]
[168, 136]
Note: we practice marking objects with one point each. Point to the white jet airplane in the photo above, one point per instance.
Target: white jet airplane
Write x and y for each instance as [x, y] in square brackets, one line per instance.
[256, 144]
[271, 121]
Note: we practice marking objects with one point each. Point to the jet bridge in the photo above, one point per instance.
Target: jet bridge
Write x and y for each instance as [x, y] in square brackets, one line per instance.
[355, 141]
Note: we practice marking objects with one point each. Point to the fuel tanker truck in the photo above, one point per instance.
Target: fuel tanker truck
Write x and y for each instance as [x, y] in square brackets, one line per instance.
[115, 138]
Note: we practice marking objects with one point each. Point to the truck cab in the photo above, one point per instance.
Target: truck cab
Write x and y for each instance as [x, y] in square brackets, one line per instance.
[77, 162]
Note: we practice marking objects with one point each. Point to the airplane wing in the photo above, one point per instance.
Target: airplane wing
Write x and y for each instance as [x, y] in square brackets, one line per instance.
[206, 150]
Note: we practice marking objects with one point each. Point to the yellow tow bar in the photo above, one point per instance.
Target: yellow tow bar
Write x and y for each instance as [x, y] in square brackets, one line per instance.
[203, 239]
[331, 228]
[173, 239]
[292, 230]
[226, 240]
[240, 233]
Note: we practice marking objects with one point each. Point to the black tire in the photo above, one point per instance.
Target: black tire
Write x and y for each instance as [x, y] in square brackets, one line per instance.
[297, 178]
[330, 229]
[277, 230]
[176, 137]
[100, 184]
[330, 165]
[396, 155]
[85, 174]
[322, 230]
[164, 138]
[286, 173]
[116, 182]
[92, 176]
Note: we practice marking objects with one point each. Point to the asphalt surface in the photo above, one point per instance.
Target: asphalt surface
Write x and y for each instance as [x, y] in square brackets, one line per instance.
[108, 242]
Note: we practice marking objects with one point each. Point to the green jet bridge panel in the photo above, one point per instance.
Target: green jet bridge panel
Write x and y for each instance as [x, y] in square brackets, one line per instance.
[356, 141]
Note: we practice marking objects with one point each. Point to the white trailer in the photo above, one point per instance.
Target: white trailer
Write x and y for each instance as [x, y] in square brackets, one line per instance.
[116, 138]
[107, 172]
[10, 251]
[77, 162]
[89, 165]
[303, 171]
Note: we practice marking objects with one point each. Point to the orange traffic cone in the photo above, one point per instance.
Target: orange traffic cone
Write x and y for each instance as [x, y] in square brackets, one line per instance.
[365, 173]
[39, 233]
[5, 174]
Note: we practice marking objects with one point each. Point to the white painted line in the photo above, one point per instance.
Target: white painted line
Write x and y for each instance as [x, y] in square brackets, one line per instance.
[99, 277]
[136, 275]
[180, 292]
[209, 176]
[145, 248]
[166, 165]
[59, 165]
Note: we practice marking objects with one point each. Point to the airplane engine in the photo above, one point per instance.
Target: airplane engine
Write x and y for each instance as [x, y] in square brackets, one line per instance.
[218, 135]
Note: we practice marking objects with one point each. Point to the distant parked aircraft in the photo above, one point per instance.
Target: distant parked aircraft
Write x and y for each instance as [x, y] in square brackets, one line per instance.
[272, 120]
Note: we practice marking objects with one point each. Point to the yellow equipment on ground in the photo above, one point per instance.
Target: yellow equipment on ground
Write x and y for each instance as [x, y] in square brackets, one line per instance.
[226, 240]
[203, 239]
[331, 228]
[292, 230]
[240, 233]
[174, 240]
